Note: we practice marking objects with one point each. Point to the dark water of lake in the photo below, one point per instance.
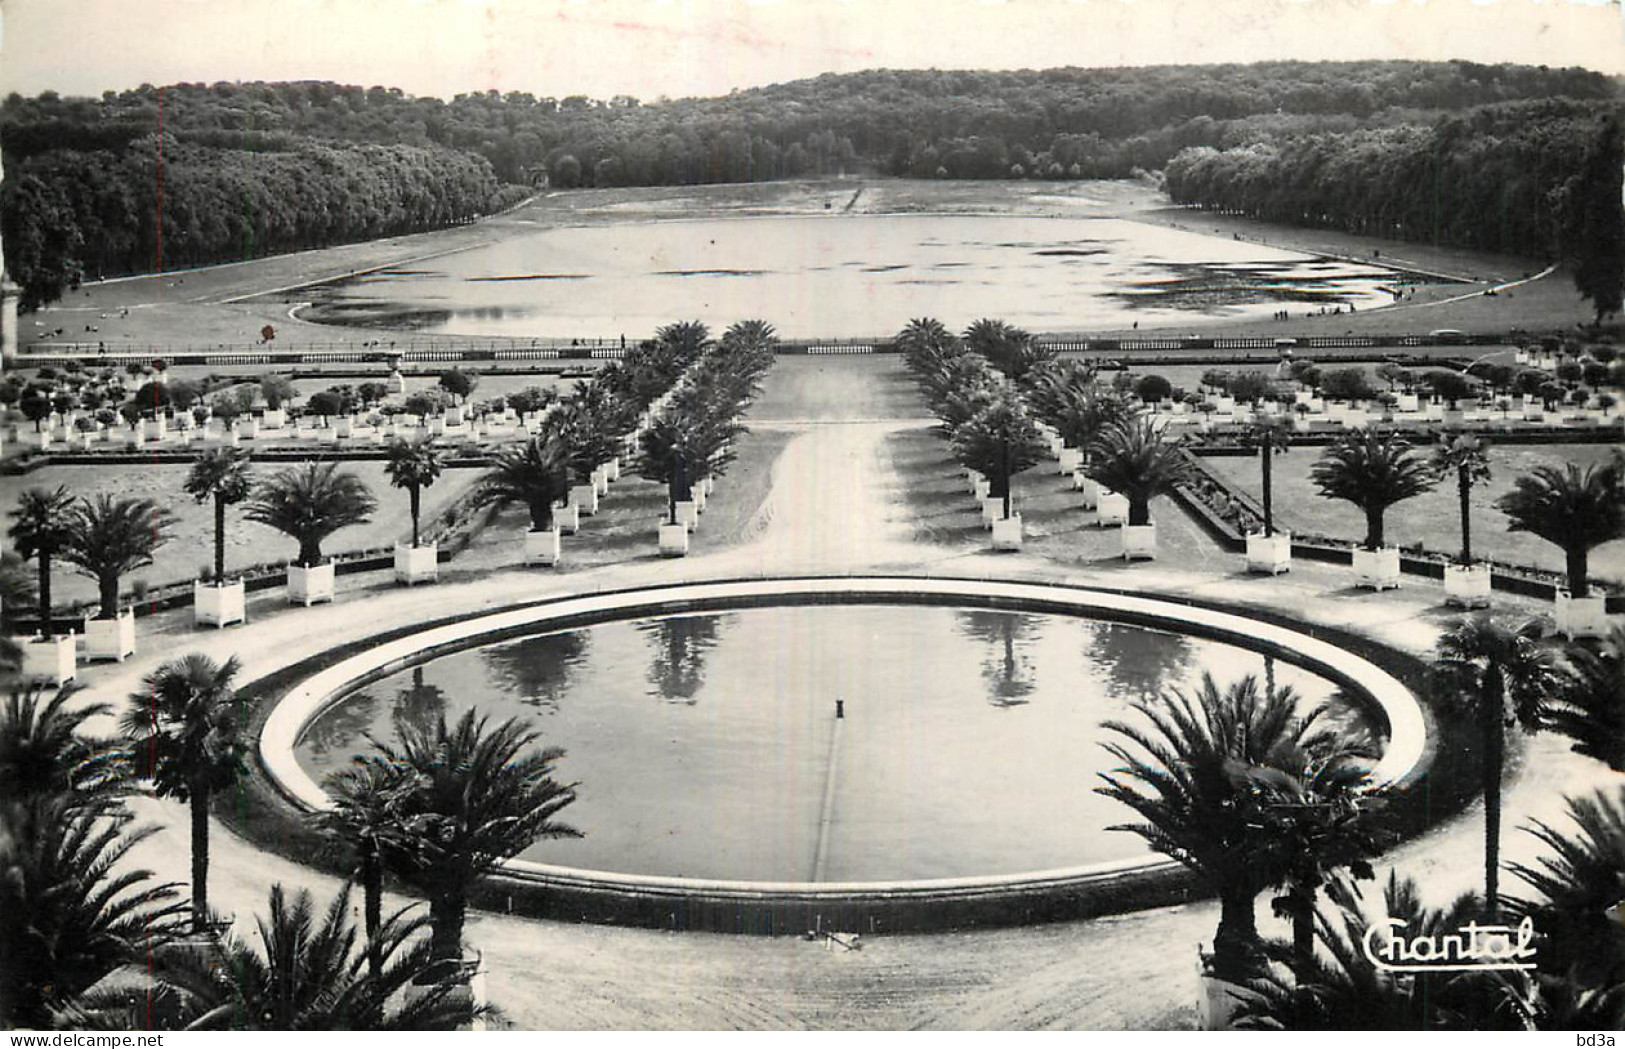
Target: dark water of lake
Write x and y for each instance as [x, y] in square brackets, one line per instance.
[843, 276]
[703, 744]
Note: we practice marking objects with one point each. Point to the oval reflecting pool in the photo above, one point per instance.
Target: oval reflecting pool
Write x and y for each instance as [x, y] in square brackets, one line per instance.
[707, 745]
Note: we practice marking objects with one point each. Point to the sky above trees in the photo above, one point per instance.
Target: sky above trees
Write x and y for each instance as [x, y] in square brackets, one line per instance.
[680, 48]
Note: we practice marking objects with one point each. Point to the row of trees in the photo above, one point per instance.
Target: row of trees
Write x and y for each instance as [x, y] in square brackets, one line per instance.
[1253, 792]
[160, 203]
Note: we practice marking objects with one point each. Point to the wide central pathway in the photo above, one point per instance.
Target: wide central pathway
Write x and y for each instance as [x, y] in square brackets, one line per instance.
[835, 506]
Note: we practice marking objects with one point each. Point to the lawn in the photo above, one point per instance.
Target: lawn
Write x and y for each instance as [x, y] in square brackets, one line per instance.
[1431, 519]
[191, 546]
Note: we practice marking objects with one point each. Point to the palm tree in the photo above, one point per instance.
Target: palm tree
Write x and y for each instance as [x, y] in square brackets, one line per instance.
[310, 503]
[1503, 677]
[44, 749]
[1589, 707]
[1579, 878]
[475, 796]
[41, 527]
[366, 816]
[414, 466]
[591, 428]
[301, 973]
[999, 442]
[534, 475]
[112, 535]
[1137, 458]
[1269, 436]
[187, 735]
[1573, 508]
[72, 909]
[220, 474]
[1373, 470]
[669, 451]
[1198, 803]
[1467, 457]
[1009, 349]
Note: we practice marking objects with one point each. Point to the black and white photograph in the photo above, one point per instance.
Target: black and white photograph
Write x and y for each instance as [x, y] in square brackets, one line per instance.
[811, 516]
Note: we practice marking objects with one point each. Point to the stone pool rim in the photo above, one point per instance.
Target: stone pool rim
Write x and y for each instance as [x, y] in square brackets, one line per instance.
[311, 696]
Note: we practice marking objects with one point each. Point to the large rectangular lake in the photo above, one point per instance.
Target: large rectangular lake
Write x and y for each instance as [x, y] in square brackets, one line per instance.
[844, 276]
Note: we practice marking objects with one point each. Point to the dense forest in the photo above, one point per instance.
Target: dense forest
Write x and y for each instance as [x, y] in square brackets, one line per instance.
[256, 168]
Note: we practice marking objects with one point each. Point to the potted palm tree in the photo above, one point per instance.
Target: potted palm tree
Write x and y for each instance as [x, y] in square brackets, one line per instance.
[1138, 461]
[187, 731]
[1577, 510]
[1189, 773]
[1590, 707]
[1268, 551]
[111, 536]
[666, 456]
[414, 466]
[999, 442]
[221, 475]
[1373, 470]
[1466, 458]
[475, 796]
[310, 503]
[533, 475]
[41, 528]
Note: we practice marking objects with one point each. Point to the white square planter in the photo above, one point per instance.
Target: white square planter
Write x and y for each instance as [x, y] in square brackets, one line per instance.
[980, 486]
[416, 564]
[1112, 508]
[688, 515]
[700, 494]
[567, 518]
[992, 510]
[306, 586]
[1056, 446]
[543, 548]
[1070, 459]
[1467, 586]
[1579, 617]
[1087, 487]
[600, 481]
[673, 540]
[454, 416]
[1007, 534]
[274, 418]
[249, 427]
[51, 660]
[1377, 569]
[1409, 402]
[586, 497]
[155, 429]
[217, 605]
[1139, 541]
[437, 427]
[1269, 553]
[971, 477]
[110, 638]
[344, 428]
[612, 469]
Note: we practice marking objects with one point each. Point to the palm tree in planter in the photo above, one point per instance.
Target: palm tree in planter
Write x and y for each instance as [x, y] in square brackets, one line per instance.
[1466, 459]
[668, 454]
[475, 796]
[310, 503]
[414, 466]
[1590, 706]
[1373, 469]
[1268, 551]
[1577, 509]
[1503, 678]
[590, 432]
[220, 474]
[999, 442]
[1138, 460]
[188, 735]
[1190, 777]
[534, 475]
[111, 536]
[41, 528]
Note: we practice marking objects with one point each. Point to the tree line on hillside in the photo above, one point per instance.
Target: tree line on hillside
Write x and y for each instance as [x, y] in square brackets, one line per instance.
[246, 149]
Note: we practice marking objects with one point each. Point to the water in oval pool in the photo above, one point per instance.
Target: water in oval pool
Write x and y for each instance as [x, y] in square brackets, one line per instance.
[706, 745]
[843, 276]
